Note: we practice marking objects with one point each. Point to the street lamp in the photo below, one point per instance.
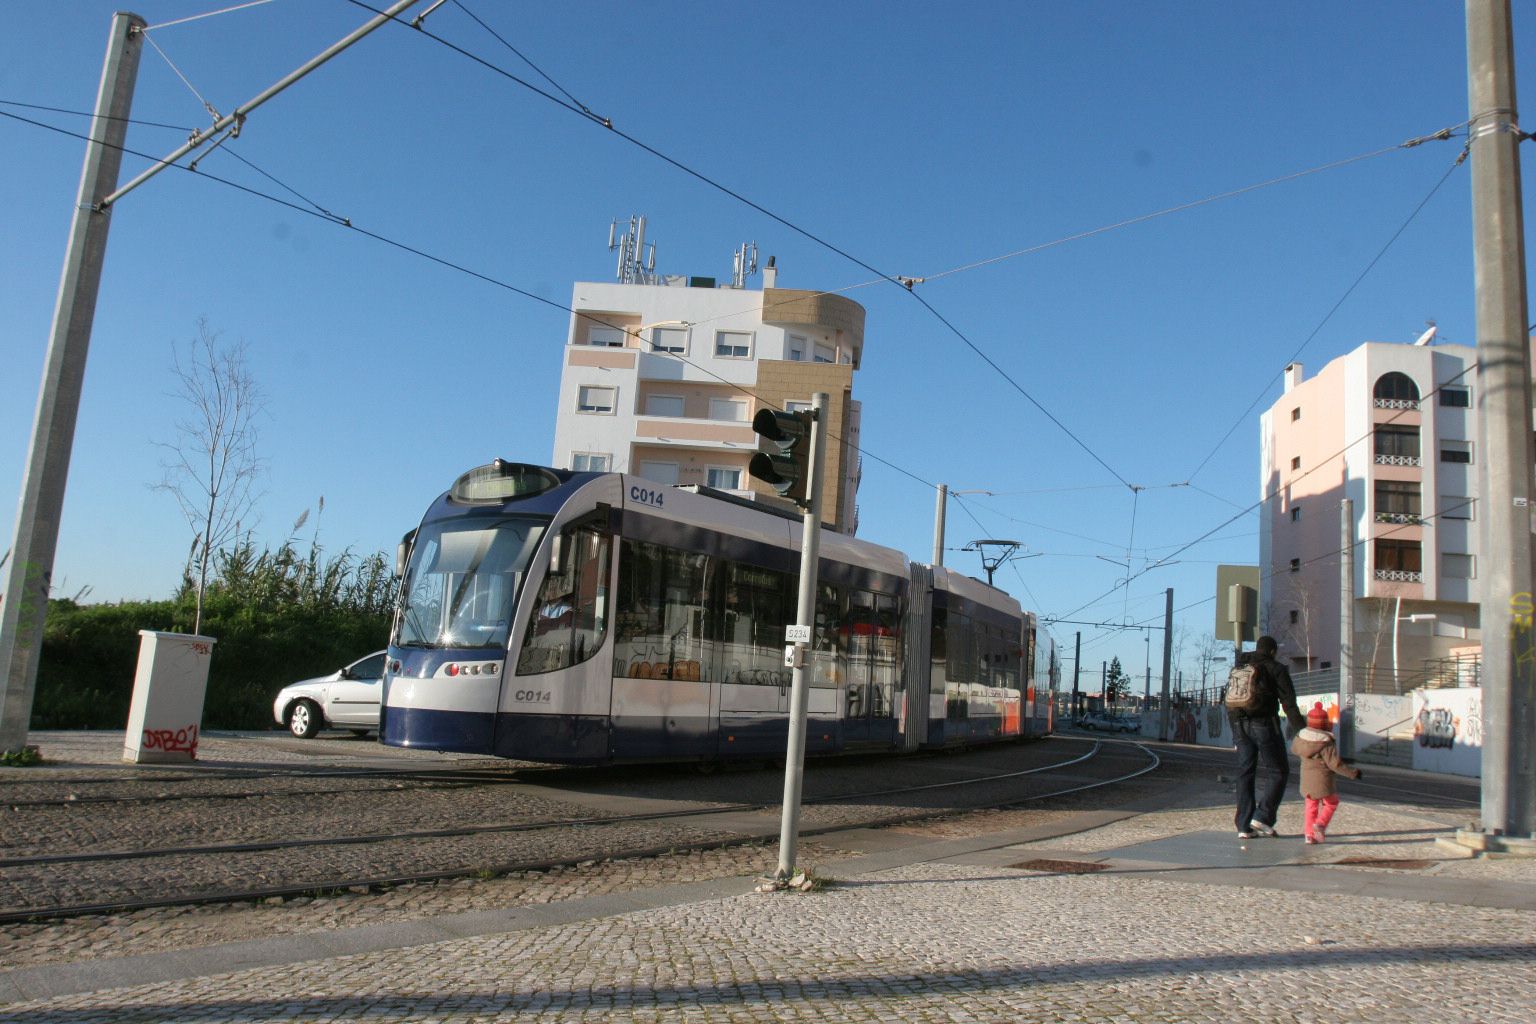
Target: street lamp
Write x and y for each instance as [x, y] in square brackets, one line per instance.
[634, 332]
[1397, 617]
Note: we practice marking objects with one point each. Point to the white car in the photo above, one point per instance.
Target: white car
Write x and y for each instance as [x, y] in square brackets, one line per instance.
[346, 699]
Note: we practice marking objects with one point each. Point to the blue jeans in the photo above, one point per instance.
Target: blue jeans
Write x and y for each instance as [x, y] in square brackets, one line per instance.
[1259, 739]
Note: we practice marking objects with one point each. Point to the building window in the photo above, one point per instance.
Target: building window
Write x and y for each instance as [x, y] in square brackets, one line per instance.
[669, 339]
[1397, 501]
[1396, 391]
[1457, 566]
[723, 478]
[1399, 556]
[664, 405]
[610, 337]
[1295, 414]
[597, 399]
[731, 409]
[1296, 462]
[1397, 445]
[1295, 565]
[794, 406]
[1456, 397]
[1295, 616]
[1455, 506]
[1456, 451]
[591, 462]
[733, 344]
[795, 349]
[1295, 513]
[825, 354]
[659, 472]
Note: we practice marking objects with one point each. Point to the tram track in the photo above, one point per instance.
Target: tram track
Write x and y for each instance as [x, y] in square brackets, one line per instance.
[587, 839]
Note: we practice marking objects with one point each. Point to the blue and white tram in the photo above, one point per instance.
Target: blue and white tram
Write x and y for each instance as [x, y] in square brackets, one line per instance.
[567, 617]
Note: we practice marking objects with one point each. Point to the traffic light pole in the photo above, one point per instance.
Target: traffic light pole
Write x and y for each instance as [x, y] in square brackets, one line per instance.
[798, 654]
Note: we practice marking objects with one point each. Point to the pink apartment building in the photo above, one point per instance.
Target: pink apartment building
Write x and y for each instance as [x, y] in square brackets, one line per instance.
[1393, 427]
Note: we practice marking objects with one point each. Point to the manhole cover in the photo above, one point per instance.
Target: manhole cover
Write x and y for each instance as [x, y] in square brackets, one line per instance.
[1061, 867]
[1374, 862]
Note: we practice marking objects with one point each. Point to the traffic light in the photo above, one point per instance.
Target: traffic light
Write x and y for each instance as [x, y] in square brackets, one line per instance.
[791, 433]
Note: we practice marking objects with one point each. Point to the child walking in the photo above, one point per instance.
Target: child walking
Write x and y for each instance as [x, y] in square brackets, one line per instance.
[1319, 763]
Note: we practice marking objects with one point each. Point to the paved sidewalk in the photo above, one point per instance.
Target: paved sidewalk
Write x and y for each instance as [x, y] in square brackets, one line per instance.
[1136, 915]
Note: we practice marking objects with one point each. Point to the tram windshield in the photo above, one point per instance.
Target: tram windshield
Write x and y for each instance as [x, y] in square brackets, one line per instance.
[463, 580]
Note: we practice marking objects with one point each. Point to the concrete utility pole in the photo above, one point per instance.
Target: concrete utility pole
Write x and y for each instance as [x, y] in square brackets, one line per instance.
[938, 524]
[1346, 627]
[1504, 405]
[1163, 717]
[798, 654]
[30, 570]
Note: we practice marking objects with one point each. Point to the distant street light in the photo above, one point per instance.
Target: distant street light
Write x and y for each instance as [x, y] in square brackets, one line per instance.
[1398, 616]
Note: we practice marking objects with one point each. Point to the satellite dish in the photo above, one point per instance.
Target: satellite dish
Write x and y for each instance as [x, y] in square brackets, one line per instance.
[1428, 336]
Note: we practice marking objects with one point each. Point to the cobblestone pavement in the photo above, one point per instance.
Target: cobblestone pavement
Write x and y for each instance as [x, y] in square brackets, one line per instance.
[938, 937]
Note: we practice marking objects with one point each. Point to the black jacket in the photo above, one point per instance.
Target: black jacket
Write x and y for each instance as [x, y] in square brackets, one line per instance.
[1276, 694]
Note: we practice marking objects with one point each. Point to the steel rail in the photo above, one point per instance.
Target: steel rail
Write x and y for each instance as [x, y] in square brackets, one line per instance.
[388, 881]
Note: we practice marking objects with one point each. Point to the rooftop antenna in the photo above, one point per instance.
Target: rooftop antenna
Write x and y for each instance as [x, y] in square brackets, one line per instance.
[635, 265]
[1429, 335]
[744, 264]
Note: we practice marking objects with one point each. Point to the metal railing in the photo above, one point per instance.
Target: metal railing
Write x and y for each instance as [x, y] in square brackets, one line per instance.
[1397, 403]
[1398, 460]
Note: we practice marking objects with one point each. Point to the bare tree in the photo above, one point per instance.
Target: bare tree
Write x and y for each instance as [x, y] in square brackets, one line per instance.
[211, 468]
[1207, 649]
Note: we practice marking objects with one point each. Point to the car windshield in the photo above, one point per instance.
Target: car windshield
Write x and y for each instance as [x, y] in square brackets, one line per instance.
[463, 580]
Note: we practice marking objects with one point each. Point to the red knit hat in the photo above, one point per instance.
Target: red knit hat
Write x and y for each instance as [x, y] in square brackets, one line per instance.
[1317, 718]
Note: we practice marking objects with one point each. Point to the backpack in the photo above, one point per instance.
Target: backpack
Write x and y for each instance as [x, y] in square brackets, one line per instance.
[1243, 693]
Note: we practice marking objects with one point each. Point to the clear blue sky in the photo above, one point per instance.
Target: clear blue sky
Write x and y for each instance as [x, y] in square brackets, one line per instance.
[918, 137]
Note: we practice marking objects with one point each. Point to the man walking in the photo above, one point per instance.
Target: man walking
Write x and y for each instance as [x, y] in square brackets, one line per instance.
[1256, 736]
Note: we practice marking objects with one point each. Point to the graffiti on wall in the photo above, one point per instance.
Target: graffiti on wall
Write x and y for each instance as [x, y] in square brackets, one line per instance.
[172, 741]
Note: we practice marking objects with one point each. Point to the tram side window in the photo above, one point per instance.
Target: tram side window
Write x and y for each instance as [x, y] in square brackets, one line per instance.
[828, 655]
[758, 604]
[938, 651]
[570, 618]
[663, 629]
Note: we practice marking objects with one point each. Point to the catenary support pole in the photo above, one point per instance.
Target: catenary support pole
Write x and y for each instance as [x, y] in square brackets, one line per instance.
[1163, 714]
[1504, 407]
[940, 507]
[1347, 628]
[236, 117]
[29, 576]
[805, 615]
[1077, 671]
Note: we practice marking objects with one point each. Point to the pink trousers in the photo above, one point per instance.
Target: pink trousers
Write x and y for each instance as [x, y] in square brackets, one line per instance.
[1319, 814]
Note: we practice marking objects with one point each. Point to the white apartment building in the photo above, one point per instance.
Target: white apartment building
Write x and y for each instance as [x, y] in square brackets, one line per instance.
[1393, 427]
[662, 376]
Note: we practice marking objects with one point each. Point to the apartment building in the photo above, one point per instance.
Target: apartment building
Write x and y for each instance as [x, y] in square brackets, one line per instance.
[662, 376]
[1393, 427]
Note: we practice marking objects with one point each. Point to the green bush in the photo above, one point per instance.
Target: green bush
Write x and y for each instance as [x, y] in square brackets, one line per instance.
[277, 617]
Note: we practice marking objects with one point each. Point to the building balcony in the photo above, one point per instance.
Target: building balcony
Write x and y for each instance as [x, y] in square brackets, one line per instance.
[695, 433]
[1400, 518]
[1398, 460]
[1399, 576]
[1396, 403]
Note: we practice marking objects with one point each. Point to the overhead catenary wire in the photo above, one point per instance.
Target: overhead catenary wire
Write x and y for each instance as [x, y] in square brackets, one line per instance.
[1327, 461]
[1334, 309]
[904, 283]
